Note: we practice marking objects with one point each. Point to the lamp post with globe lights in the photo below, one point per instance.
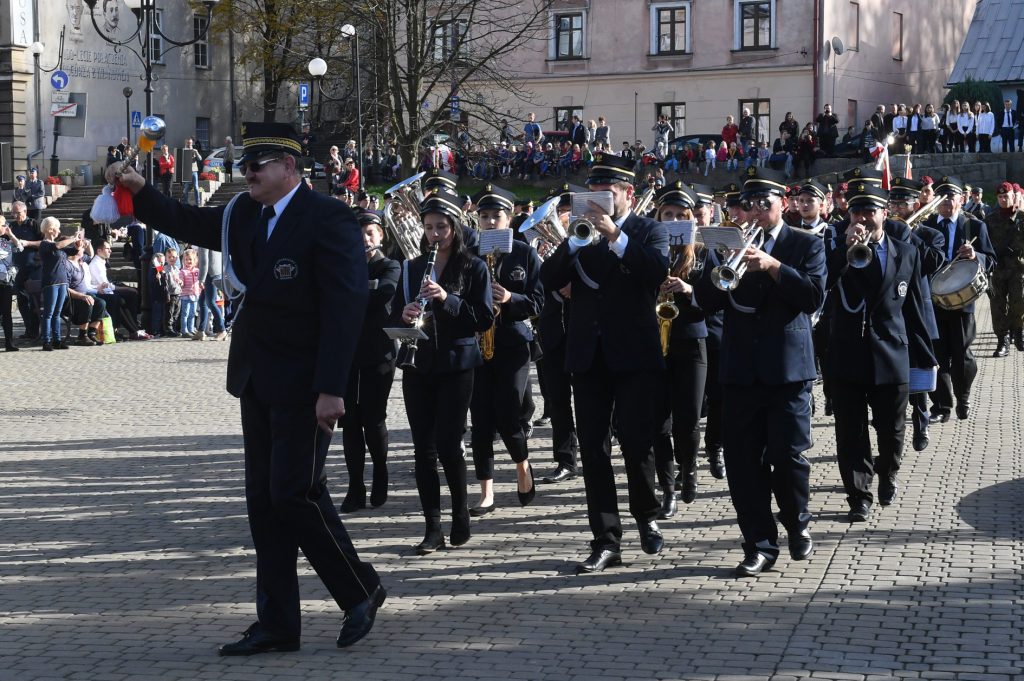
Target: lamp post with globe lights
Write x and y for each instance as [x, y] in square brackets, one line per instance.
[318, 68]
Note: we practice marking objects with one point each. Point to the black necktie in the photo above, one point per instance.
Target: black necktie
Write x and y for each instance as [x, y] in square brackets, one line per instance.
[259, 241]
[874, 270]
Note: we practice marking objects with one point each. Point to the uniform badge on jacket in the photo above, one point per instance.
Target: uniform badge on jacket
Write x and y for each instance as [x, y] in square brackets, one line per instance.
[286, 269]
[902, 289]
[518, 274]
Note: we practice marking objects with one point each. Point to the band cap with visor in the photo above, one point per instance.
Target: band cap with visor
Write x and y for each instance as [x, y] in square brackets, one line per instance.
[676, 194]
[762, 182]
[705, 194]
[493, 196]
[443, 201]
[814, 188]
[732, 192]
[868, 175]
[439, 178]
[611, 169]
[865, 195]
[365, 215]
[948, 184]
[261, 139]
[905, 190]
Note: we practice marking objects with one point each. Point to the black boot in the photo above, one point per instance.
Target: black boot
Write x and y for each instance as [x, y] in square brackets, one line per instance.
[717, 462]
[356, 498]
[668, 503]
[432, 538]
[1002, 346]
[688, 490]
[1018, 338]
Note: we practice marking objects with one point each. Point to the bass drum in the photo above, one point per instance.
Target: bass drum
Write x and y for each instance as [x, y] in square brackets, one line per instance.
[959, 285]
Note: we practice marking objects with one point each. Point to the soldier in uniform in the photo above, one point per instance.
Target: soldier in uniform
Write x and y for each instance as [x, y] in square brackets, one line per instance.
[957, 330]
[1006, 229]
[299, 257]
[499, 383]
[839, 201]
[767, 368]
[878, 332]
[614, 353]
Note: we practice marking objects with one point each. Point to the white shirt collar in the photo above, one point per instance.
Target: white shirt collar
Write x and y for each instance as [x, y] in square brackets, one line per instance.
[279, 208]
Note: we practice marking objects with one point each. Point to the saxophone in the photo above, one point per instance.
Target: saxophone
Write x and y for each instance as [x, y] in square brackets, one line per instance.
[667, 311]
[487, 337]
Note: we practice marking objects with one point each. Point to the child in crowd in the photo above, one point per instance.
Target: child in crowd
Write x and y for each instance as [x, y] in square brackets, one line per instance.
[172, 282]
[577, 158]
[588, 156]
[157, 293]
[686, 158]
[762, 155]
[191, 288]
[672, 160]
[723, 154]
[698, 157]
[659, 178]
[734, 156]
[709, 158]
[750, 153]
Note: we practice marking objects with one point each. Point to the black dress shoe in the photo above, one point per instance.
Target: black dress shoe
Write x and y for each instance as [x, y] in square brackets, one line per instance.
[1002, 346]
[651, 540]
[860, 509]
[62, 345]
[478, 511]
[379, 491]
[668, 506]
[688, 490]
[938, 418]
[921, 441]
[829, 410]
[888, 488]
[432, 542]
[258, 640]
[800, 545]
[526, 497]
[717, 462]
[754, 565]
[47, 347]
[359, 620]
[963, 410]
[12, 348]
[560, 474]
[354, 500]
[543, 422]
[598, 561]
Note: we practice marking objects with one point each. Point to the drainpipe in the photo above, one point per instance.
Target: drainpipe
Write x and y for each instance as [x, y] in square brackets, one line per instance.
[817, 50]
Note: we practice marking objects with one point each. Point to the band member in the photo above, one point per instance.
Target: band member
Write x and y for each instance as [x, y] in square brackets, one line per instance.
[1006, 229]
[878, 333]
[931, 250]
[681, 389]
[957, 366]
[792, 216]
[703, 212]
[369, 381]
[552, 325]
[499, 383]
[441, 179]
[614, 353]
[296, 254]
[767, 369]
[810, 199]
[438, 384]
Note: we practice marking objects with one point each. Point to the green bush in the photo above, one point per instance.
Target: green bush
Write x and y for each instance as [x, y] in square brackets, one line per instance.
[972, 91]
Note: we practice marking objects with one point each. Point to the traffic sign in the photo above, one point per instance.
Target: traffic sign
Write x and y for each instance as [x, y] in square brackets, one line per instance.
[136, 119]
[455, 104]
[64, 110]
[303, 95]
[60, 97]
[59, 80]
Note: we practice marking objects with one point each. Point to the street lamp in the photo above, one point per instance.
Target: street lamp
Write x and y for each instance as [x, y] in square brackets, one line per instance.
[145, 16]
[127, 92]
[36, 49]
[318, 68]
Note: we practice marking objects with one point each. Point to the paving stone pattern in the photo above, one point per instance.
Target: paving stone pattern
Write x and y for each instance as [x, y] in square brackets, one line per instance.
[125, 552]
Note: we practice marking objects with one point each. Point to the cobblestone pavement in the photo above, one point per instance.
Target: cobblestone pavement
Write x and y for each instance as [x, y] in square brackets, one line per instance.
[125, 552]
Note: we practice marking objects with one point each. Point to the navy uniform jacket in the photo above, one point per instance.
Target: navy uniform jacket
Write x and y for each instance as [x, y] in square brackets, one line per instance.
[877, 334]
[519, 273]
[713, 322]
[689, 323]
[453, 324]
[767, 327]
[931, 249]
[620, 310]
[374, 345]
[553, 321]
[297, 332]
[967, 228]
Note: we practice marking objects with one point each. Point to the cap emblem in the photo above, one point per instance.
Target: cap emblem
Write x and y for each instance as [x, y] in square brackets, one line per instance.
[599, 158]
[856, 172]
[487, 188]
[752, 171]
[860, 187]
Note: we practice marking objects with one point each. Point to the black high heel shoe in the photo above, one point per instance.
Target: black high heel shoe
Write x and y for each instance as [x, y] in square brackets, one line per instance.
[526, 497]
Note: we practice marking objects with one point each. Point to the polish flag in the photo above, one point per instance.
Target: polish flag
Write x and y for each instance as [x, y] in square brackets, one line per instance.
[881, 155]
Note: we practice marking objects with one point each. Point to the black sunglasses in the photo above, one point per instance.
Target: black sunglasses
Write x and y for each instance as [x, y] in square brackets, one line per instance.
[750, 204]
[256, 166]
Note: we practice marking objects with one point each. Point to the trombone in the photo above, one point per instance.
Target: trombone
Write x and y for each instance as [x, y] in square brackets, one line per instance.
[645, 201]
[726, 277]
[406, 229]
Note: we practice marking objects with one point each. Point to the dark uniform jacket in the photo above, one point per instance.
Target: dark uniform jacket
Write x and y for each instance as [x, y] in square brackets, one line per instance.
[878, 330]
[613, 298]
[689, 323]
[298, 328]
[1007, 236]
[931, 250]
[374, 345]
[767, 325]
[453, 324]
[519, 273]
[967, 228]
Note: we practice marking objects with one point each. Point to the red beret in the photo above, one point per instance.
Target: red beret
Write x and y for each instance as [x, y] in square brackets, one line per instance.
[1004, 188]
[1016, 187]
[927, 180]
[842, 188]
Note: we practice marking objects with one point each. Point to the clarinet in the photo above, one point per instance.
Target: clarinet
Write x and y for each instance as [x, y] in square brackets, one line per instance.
[410, 356]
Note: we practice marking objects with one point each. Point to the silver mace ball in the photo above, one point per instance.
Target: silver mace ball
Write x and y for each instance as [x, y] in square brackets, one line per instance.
[153, 128]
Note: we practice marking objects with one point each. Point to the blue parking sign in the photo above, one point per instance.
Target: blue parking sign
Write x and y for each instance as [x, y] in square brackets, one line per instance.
[303, 95]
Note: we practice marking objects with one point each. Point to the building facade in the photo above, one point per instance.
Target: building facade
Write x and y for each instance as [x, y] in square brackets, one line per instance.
[698, 61]
[192, 87]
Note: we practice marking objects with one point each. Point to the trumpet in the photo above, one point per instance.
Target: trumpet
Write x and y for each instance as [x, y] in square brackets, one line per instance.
[582, 232]
[744, 228]
[428, 273]
[726, 277]
[859, 255]
[922, 213]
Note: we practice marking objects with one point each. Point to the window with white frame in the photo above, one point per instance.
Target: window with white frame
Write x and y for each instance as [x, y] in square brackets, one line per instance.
[156, 41]
[754, 24]
[201, 49]
[567, 35]
[670, 28]
[450, 37]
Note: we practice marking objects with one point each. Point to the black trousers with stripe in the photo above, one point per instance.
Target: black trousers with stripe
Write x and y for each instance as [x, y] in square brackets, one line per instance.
[290, 508]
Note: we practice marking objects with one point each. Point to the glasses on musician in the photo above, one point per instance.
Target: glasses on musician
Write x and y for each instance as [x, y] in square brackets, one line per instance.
[256, 166]
[760, 204]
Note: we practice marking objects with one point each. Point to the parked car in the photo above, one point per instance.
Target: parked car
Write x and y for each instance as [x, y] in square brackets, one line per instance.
[693, 141]
[216, 160]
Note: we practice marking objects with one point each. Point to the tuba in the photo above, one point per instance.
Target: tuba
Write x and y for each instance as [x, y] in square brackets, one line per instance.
[726, 277]
[405, 229]
[548, 227]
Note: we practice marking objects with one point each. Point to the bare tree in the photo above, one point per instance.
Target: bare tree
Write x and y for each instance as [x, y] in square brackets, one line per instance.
[427, 51]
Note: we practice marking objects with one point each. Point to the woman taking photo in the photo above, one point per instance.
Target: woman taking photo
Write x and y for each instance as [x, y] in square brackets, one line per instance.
[53, 254]
[438, 385]
[499, 383]
[373, 369]
[681, 390]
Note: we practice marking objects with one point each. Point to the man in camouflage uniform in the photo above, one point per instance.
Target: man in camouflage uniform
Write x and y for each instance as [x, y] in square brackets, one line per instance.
[1006, 229]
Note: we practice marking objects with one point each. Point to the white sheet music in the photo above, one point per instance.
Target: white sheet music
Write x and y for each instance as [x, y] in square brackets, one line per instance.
[680, 231]
[722, 237]
[605, 200]
[495, 238]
